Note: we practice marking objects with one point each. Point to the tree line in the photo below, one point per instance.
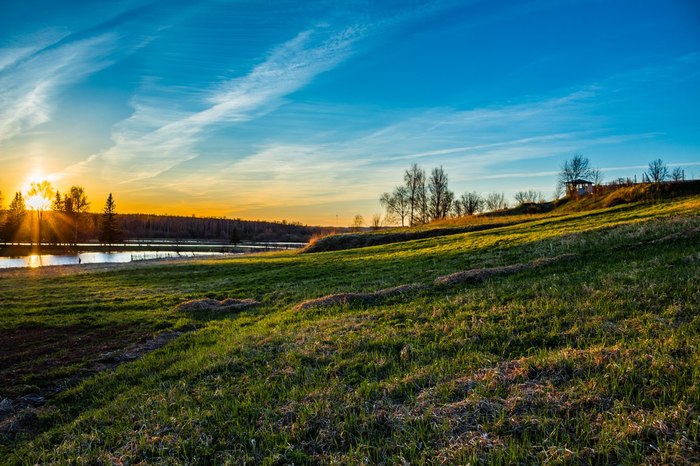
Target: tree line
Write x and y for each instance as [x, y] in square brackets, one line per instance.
[63, 215]
[424, 197]
[66, 221]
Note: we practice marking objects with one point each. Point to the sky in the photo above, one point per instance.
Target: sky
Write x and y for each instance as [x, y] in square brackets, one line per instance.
[308, 111]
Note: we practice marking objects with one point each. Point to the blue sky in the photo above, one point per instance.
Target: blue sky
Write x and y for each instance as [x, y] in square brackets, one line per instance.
[306, 111]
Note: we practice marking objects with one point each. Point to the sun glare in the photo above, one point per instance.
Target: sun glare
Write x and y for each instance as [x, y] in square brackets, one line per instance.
[39, 193]
[37, 202]
[34, 261]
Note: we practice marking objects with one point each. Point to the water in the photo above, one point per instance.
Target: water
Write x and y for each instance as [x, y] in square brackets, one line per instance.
[141, 250]
[44, 260]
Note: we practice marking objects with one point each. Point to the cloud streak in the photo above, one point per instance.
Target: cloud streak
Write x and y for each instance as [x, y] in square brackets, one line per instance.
[150, 145]
[286, 173]
[32, 76]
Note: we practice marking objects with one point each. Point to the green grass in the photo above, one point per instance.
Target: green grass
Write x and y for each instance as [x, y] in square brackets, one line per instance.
[593, 360]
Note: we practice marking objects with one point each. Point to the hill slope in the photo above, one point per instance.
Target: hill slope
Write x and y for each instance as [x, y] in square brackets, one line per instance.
[589, 360]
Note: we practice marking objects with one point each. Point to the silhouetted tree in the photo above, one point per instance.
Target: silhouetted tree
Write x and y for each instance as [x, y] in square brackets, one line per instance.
[657, 172]
[496, 201]
[578, 168]
[109, 232]
[15, 215]
[57, 204]
[414, 180]
[75, 204]
[439, 197]
[376, 221]
[528, 197]
[597, 177]
[357, 222]
[458, 208]
[677, 174]
[41, 192]
[472, 203]
[396, 204]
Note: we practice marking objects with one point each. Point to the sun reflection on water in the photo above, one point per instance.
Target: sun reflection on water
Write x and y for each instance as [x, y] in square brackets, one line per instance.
[34, 261]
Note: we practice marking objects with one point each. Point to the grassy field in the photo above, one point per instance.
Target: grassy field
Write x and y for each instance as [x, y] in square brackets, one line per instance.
[590, 360]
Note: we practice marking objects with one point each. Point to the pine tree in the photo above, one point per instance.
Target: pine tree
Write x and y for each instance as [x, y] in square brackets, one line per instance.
[15, 215]
[57, 204]
[110, 230]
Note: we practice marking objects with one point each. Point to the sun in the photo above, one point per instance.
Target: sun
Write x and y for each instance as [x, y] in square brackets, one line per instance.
[39, 194]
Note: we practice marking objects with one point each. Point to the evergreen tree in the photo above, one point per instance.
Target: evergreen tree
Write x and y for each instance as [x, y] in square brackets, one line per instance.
[110, 231]
[57, 204]
[15, 215]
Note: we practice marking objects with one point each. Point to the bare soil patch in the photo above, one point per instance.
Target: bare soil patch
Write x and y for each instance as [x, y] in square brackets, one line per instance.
[29, 355]
[36, 363]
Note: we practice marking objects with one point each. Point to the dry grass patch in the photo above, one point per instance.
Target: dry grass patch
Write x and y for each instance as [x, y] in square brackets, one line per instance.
[360, 298]
[479, 275]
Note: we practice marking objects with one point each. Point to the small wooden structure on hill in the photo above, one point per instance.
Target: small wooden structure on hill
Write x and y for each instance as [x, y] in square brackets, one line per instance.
[579, 187]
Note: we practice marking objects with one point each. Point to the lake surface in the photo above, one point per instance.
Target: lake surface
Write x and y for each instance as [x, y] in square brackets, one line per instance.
[137, 250]
[36, 260]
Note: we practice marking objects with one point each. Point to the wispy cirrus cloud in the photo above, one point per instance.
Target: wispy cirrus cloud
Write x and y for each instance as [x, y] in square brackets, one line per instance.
[32, 76]
[474, 146]
[34, 72]
[284, 172]
[157, 137]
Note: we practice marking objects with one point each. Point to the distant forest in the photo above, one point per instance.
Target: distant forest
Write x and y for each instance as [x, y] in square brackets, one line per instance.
[220, 229]
[45, 216]
[60, 229]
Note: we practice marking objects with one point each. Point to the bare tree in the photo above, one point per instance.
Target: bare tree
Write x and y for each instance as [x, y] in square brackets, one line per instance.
[376, 221]
[597, 177]
[677, 174]
[396, 204]
[472, 203]
[458, 208]
[657, 172]
[414, 180]
[577, 168]
[496, 201]
[529, 197]
[439, 198]
[423, 209]
[358, 221]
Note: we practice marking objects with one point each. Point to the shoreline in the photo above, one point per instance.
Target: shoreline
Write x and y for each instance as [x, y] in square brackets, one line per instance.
[76, 269]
